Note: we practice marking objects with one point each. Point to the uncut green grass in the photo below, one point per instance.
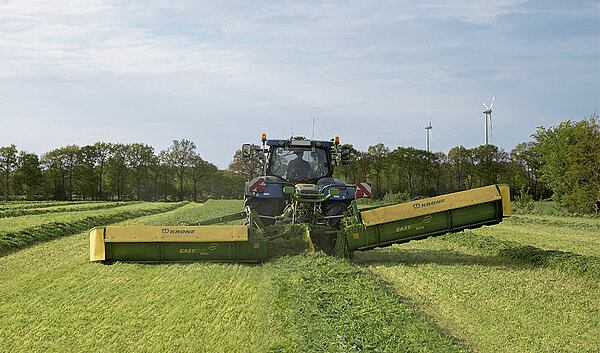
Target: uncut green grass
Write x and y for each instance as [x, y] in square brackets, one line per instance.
[54, 299]
[492, 304]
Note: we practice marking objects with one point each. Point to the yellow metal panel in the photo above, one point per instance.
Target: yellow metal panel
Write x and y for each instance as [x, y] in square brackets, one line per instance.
[430, 205]
[505, 192]
[176, 234]
[97, 245]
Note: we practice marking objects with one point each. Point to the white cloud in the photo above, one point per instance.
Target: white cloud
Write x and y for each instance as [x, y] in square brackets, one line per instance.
[175, 66]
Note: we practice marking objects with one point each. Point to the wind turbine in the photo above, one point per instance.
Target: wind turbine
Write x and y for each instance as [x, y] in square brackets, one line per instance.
[428, 130]
[488, 115]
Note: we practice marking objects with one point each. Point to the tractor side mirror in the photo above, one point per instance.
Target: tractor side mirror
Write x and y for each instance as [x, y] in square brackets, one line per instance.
[246, 152]
[345, 155]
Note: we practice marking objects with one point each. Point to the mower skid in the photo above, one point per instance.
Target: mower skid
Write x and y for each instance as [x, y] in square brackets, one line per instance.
[176, 244]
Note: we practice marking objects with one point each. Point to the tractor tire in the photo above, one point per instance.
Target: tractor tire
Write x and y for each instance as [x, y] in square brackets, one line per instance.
[264, 207]
[335, 208]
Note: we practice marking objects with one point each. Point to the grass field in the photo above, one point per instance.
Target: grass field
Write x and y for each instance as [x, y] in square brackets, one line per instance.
[438, 294]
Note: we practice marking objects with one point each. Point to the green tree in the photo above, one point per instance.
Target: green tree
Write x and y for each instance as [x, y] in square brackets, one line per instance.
[179, 157]
[8, 163]
[378, 156]
[528, 162]
[70, 154]
[583, 174]
[54, 164]
[85, 173]
[117, 168]
[489, 163]
[570, 156]
[139, 159]
[28, 176]
[103, 151]
[201, 172]
[251, 168]
[460, 159]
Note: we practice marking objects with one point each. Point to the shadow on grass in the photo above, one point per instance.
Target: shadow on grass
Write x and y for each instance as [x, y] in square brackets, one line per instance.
[564, 261]
[413, 257]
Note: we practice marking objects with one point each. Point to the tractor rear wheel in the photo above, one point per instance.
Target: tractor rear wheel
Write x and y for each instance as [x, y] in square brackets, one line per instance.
[335, 208]
[264, 207]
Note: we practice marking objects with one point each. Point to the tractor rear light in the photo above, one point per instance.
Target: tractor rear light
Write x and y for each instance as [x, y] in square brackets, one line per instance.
[359, 193]
[260, 189]
[340, 187]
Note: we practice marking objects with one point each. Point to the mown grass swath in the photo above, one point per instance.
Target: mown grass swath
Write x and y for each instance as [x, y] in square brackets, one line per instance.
[26, 236]
[580, 241]
[60, 208]
[14, 205]
[328, 305]
[565, 261]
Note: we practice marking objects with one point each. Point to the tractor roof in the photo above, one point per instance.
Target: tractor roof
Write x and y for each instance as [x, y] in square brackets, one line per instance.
[298, 141]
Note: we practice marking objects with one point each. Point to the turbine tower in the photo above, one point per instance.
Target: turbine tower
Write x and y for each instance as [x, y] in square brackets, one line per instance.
[428, 128]
[428, 132]
[488, 115]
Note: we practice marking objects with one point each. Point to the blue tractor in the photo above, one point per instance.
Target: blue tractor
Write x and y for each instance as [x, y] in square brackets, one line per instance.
[297, 185]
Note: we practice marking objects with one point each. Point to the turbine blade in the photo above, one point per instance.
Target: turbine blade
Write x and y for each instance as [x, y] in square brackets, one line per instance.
[490, 122]
[486, 108]
[491, 105]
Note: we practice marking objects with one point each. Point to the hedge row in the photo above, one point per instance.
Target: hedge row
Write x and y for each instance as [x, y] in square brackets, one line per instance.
[58, 209]
[13, 241]
[567, 262]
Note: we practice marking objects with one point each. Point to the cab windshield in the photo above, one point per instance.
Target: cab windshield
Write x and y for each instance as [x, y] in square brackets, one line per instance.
[298, 164]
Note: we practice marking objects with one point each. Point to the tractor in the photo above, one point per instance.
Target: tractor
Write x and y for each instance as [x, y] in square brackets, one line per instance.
[297, 185]
[297, 199]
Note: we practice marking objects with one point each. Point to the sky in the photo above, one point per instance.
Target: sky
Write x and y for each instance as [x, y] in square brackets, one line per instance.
[220, 73]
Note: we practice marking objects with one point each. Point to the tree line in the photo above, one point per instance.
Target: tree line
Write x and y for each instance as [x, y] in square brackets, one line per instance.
[561, 162]
[115, 171]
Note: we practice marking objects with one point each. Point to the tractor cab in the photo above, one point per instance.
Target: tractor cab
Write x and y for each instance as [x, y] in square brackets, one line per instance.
[299, 160]
[299, 164]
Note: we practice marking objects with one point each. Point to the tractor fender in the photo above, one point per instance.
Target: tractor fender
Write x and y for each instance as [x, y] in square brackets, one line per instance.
[264, 187]
[346, 191]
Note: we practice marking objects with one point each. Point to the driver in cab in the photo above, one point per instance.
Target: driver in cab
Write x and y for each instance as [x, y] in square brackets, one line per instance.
[298, 169]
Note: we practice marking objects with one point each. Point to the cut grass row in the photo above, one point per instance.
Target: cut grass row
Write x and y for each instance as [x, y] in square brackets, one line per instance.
[72, 223]
[54, 299]
[567, 262]
[61, 208]
[492, 303]
[14, 224]
[589, 223]
[581, 241]
[16, 205]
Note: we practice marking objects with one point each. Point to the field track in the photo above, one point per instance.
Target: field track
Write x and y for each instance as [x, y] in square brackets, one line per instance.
[439, 294]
